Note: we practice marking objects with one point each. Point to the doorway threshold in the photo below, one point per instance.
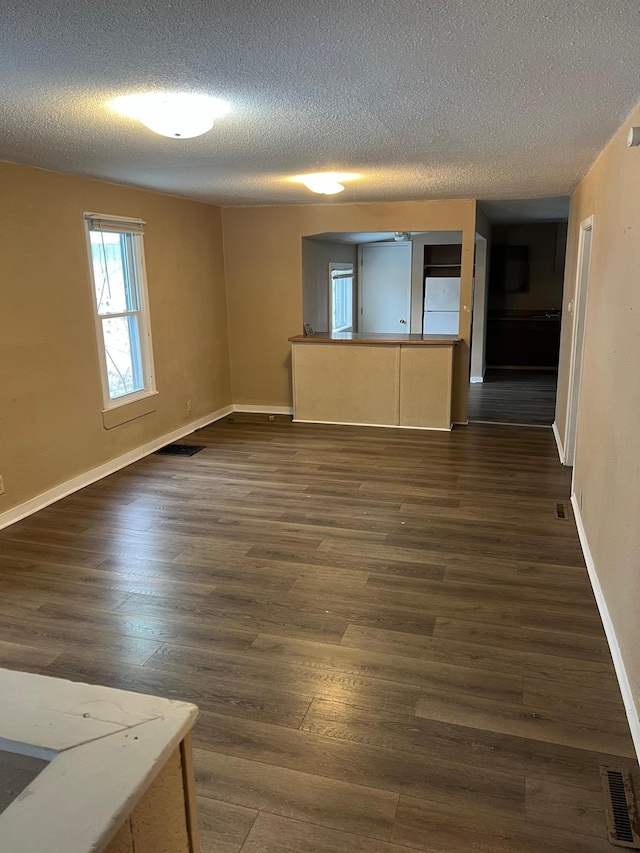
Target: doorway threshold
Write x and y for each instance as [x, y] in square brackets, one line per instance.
[512, 423]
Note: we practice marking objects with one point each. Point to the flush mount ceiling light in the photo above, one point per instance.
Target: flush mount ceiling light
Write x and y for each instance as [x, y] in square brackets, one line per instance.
[174, 114]
[325, 183]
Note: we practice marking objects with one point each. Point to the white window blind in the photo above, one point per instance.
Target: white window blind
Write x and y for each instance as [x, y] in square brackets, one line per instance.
[117, 224]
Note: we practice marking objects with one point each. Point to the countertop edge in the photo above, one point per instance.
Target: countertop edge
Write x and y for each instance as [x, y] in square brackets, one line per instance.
[451, 341]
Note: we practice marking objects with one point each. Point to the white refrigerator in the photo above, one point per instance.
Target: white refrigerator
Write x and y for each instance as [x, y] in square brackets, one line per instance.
[441, 306]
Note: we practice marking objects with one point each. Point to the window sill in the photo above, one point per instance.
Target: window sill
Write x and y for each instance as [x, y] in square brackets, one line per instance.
[126, 412]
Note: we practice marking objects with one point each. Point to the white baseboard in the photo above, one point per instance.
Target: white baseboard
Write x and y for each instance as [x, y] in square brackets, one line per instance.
[618, 662]
[556, 435]
[384, 426]
[512, 424]
[264, 410]
[288, 410]
[82, 480]
[474, 379]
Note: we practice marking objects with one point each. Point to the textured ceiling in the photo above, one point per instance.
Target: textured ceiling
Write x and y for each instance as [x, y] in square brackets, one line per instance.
[359, 238]
[490, 99]
[512, 211]
[353, 237]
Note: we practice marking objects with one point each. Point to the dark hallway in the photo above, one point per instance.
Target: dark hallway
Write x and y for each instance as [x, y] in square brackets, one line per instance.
[523, 321]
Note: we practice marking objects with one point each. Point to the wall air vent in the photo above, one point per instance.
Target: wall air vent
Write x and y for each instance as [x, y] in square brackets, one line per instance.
[620, 808]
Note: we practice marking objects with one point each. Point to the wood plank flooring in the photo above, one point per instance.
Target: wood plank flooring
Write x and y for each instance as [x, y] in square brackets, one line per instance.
[391, 638]
[514, 396]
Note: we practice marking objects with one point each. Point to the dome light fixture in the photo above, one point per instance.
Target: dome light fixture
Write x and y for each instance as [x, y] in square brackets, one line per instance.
[178, 115]
[325, 183]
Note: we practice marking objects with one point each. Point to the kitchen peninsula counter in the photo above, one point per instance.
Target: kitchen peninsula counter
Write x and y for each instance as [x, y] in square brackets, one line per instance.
[376, 339]
[373, 379]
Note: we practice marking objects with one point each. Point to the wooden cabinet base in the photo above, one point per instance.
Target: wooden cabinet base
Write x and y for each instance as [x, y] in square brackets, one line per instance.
[163, 820]
[393, 385]
[426, 379]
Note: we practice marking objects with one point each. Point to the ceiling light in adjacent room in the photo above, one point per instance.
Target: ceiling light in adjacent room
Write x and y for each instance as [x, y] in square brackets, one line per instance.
[174, 114]
[325, 183]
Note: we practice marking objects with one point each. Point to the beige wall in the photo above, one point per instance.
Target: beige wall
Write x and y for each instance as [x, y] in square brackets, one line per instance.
[50, 400]
[545, 241]
[607, 466]
[263, 263]
[316, 257]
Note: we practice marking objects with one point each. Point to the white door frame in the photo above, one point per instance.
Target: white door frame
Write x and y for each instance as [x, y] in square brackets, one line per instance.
[585, 251]
[479, 305]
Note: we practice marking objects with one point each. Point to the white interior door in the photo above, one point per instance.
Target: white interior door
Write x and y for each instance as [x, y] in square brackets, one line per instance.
[577, 346]
[385, 288]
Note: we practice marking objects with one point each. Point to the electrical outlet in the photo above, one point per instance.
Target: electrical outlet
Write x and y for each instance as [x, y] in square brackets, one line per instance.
[188, 405]
[1, 486]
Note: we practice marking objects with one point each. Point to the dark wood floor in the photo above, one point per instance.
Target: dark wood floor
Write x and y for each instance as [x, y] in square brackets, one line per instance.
[391, 637]
[514, 397]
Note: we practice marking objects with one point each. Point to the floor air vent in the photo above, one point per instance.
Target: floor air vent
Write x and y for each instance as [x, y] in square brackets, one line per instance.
[180, 449]
[620, 808]
[562, 512]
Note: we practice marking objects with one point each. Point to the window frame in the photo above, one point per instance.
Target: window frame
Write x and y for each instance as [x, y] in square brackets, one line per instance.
[138, 284]
[335, 266]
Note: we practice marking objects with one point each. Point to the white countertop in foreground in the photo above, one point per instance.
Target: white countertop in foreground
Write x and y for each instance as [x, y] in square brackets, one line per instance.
[105, 748]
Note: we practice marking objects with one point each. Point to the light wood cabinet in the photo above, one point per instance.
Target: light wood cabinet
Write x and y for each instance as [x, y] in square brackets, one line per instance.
[165, 819]
[391, 383]
[426, 378]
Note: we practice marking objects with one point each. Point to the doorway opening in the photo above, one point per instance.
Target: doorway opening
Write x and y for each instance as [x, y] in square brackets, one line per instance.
[515, 382]
[394, 283]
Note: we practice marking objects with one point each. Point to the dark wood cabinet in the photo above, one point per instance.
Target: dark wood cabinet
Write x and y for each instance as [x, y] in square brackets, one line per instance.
[522, 339]
[510, 268]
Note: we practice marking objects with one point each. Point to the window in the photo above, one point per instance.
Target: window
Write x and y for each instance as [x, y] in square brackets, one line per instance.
[116, 262]
[341, 297]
